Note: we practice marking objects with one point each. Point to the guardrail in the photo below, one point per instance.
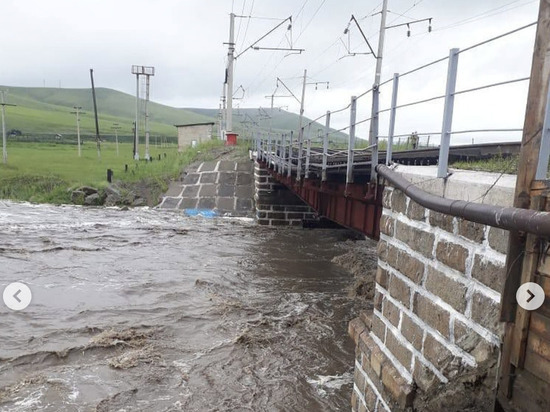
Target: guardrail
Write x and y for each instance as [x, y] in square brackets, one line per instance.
[292, 149]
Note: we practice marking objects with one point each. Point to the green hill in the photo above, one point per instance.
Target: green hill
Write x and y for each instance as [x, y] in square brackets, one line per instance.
[42, 111]
[246, 119]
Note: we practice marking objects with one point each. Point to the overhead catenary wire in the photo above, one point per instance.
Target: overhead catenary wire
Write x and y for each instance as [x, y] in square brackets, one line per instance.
[247, 24]
[311, 19]
[483, 15]
[268, 61]
[417, 69]
[240, 22]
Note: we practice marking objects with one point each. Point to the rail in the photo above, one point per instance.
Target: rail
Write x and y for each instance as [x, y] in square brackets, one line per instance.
[445, 135]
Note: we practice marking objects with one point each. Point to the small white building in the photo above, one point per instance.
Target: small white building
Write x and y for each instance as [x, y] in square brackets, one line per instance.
[199, 132]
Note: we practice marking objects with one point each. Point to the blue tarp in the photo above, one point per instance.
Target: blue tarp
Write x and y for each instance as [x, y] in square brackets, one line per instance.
[200, 212]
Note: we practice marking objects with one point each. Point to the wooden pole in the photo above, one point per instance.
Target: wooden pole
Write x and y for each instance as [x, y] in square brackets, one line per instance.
[527, 166]
[95, 112]
[528, 158]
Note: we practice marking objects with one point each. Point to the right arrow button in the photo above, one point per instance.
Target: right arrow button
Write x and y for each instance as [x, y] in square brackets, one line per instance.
[530, 296]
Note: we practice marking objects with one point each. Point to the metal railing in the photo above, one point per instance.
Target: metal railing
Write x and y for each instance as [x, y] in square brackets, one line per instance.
[274, 148]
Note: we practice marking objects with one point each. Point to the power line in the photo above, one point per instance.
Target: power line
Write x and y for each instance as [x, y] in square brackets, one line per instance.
[240, 22]
[247, 23]
[310, 20]
[484, 15]
[301, 9]
[296, 16]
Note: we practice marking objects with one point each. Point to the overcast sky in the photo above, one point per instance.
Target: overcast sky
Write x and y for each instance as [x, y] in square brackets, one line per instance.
[56, 42]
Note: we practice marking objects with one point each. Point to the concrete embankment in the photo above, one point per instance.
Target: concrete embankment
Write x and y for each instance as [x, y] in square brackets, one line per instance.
[225, 187]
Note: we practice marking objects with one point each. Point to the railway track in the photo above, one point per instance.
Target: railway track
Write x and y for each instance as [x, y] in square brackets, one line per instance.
[337, 159]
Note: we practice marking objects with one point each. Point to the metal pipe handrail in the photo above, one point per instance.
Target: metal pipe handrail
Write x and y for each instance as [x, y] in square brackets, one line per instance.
[430, 99]
[498, 37]
[487, 86]
[422, 67]
[508, 218]
[485, 131]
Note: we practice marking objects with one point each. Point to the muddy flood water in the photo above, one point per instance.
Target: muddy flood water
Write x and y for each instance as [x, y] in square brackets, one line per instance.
[141, 310]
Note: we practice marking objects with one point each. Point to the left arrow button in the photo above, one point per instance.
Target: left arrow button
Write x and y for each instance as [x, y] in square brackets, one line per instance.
[17, 296]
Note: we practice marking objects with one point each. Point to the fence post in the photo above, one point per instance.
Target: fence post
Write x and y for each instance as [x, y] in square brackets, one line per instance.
[300, 151]
[325, 148]
[280, 158]
[308, 150]
[290, 153]
[544, 151]
[389, 149]
[448, 114]
[283, 154]
[270, 150]
[276, 159]
[308, 153]
[375, 132]
[351, 140]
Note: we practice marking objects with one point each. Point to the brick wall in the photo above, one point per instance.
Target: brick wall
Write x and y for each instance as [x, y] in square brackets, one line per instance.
[276, 205]
[436, 308]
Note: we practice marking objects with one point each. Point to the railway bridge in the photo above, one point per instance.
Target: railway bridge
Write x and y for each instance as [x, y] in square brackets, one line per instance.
[452, 253]
[448, 329]
[340, 185]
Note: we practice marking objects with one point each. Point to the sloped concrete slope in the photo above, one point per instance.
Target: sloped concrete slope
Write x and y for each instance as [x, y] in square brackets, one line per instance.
[226, 187]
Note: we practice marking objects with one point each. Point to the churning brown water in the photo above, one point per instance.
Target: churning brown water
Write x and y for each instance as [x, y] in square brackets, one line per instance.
[146, 311]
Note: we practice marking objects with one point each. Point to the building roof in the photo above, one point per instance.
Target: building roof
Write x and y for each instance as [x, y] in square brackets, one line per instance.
[194, 124]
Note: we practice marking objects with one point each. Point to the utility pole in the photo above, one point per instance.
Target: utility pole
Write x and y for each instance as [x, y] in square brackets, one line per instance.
[373, 129]
[300, 123]
[301, 129]
[96, 120]
[147, 82]
[116, 128]
[78, 113]
[224, 112]
[302, 101]
[381, 38]
[4, 141]
[146, 71]
[136, 123]
[230, 61]
[231, 58]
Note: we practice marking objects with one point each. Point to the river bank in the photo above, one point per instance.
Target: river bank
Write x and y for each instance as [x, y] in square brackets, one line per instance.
[50, 173]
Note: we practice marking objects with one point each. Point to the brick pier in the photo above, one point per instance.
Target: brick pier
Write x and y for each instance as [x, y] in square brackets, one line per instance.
[435, 322]
[276, 205]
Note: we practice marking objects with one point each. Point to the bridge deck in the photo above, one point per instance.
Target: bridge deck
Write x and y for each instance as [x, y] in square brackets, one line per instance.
[354, 202]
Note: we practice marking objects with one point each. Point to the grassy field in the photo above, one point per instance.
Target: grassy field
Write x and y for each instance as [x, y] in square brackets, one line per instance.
[44, 172]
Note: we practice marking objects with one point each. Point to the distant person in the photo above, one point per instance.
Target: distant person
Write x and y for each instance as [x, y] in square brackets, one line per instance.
[414, 140]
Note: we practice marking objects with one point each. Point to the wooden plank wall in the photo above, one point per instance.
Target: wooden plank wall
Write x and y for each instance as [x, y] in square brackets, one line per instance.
[531, 385]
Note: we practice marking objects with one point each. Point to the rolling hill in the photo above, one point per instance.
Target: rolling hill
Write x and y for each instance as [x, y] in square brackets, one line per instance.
[47, 111]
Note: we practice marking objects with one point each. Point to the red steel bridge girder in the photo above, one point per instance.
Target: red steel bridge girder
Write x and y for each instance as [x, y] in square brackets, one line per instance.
[356, 206]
